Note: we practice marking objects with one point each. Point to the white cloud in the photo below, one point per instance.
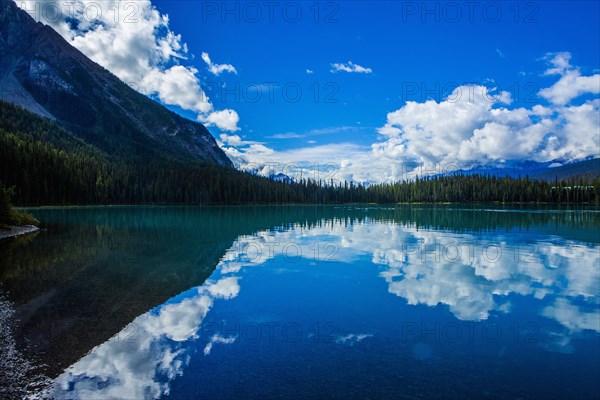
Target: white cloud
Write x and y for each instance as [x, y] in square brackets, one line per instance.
[472, 284]
[140, 361]
[226, 120]
[310, 71]
[432, 132]
[350, 67]
[571, 83]
[570, 86]
[287, 135]
[134, 42]
[353, 338]
[559, 63]
[232, 140]
[458, 270]
[315, 132]
[226, 288]
[179, 86]
[315, 162]
[218, 339]
[217, 69]
[473, 126]
[572, 317]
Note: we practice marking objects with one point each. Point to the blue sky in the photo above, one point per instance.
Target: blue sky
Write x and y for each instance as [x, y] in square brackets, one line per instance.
[355, 62]
[374, 35]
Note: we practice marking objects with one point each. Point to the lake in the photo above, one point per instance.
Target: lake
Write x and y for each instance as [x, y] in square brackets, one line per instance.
[415, 301]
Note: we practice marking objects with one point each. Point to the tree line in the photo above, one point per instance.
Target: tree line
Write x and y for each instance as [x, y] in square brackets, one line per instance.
[8, 215]
[47, 165]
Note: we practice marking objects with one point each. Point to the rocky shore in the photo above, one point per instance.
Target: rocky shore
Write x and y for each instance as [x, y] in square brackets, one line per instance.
[14, 231]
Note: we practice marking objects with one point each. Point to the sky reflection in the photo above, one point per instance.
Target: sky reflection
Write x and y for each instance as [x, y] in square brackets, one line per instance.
[472, 276]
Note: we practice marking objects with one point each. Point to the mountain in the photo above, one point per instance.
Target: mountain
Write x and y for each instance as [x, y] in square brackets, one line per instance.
[587, 168]
[542, 171]
[48, 165]
[282, 178]
[44, 74]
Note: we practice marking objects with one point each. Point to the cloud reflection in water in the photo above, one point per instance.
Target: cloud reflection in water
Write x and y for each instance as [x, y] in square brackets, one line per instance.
[472, 274]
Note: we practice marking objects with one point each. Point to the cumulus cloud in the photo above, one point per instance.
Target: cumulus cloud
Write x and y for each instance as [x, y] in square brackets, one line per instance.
[178, 86]
[571, 84]
[226, 120]
[141, 360]
[232, 140]
[350, 67]
[572, 317]
[473, 126]
[217, 69]
[559, 63]
[482, 130]
[226, 288]
[458, 270]
[133, 40]
[318, 162]
[454, 270]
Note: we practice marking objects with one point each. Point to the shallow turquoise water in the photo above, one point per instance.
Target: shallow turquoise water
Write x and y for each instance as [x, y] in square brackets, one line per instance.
[311, 302]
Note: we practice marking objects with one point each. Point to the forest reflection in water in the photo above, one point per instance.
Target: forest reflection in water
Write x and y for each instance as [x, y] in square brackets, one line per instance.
[136, 286]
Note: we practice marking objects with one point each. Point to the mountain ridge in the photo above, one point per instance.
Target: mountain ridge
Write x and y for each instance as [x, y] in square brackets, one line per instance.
[586, 168]
[41, 72]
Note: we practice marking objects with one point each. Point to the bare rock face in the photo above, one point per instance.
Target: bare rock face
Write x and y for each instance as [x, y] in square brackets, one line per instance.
[44, 74]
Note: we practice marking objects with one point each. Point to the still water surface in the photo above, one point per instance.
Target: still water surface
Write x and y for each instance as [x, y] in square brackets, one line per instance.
[310, 302]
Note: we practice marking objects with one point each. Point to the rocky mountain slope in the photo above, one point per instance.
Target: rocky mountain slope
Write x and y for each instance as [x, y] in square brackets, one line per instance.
[44, 74]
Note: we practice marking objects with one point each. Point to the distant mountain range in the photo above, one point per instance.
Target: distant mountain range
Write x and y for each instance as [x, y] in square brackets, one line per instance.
[589, 168]
[534, 170]
[282, 178]
[44, 74]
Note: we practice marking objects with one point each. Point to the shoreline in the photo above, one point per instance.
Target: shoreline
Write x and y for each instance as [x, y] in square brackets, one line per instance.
[494, 203]
[15, 231]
